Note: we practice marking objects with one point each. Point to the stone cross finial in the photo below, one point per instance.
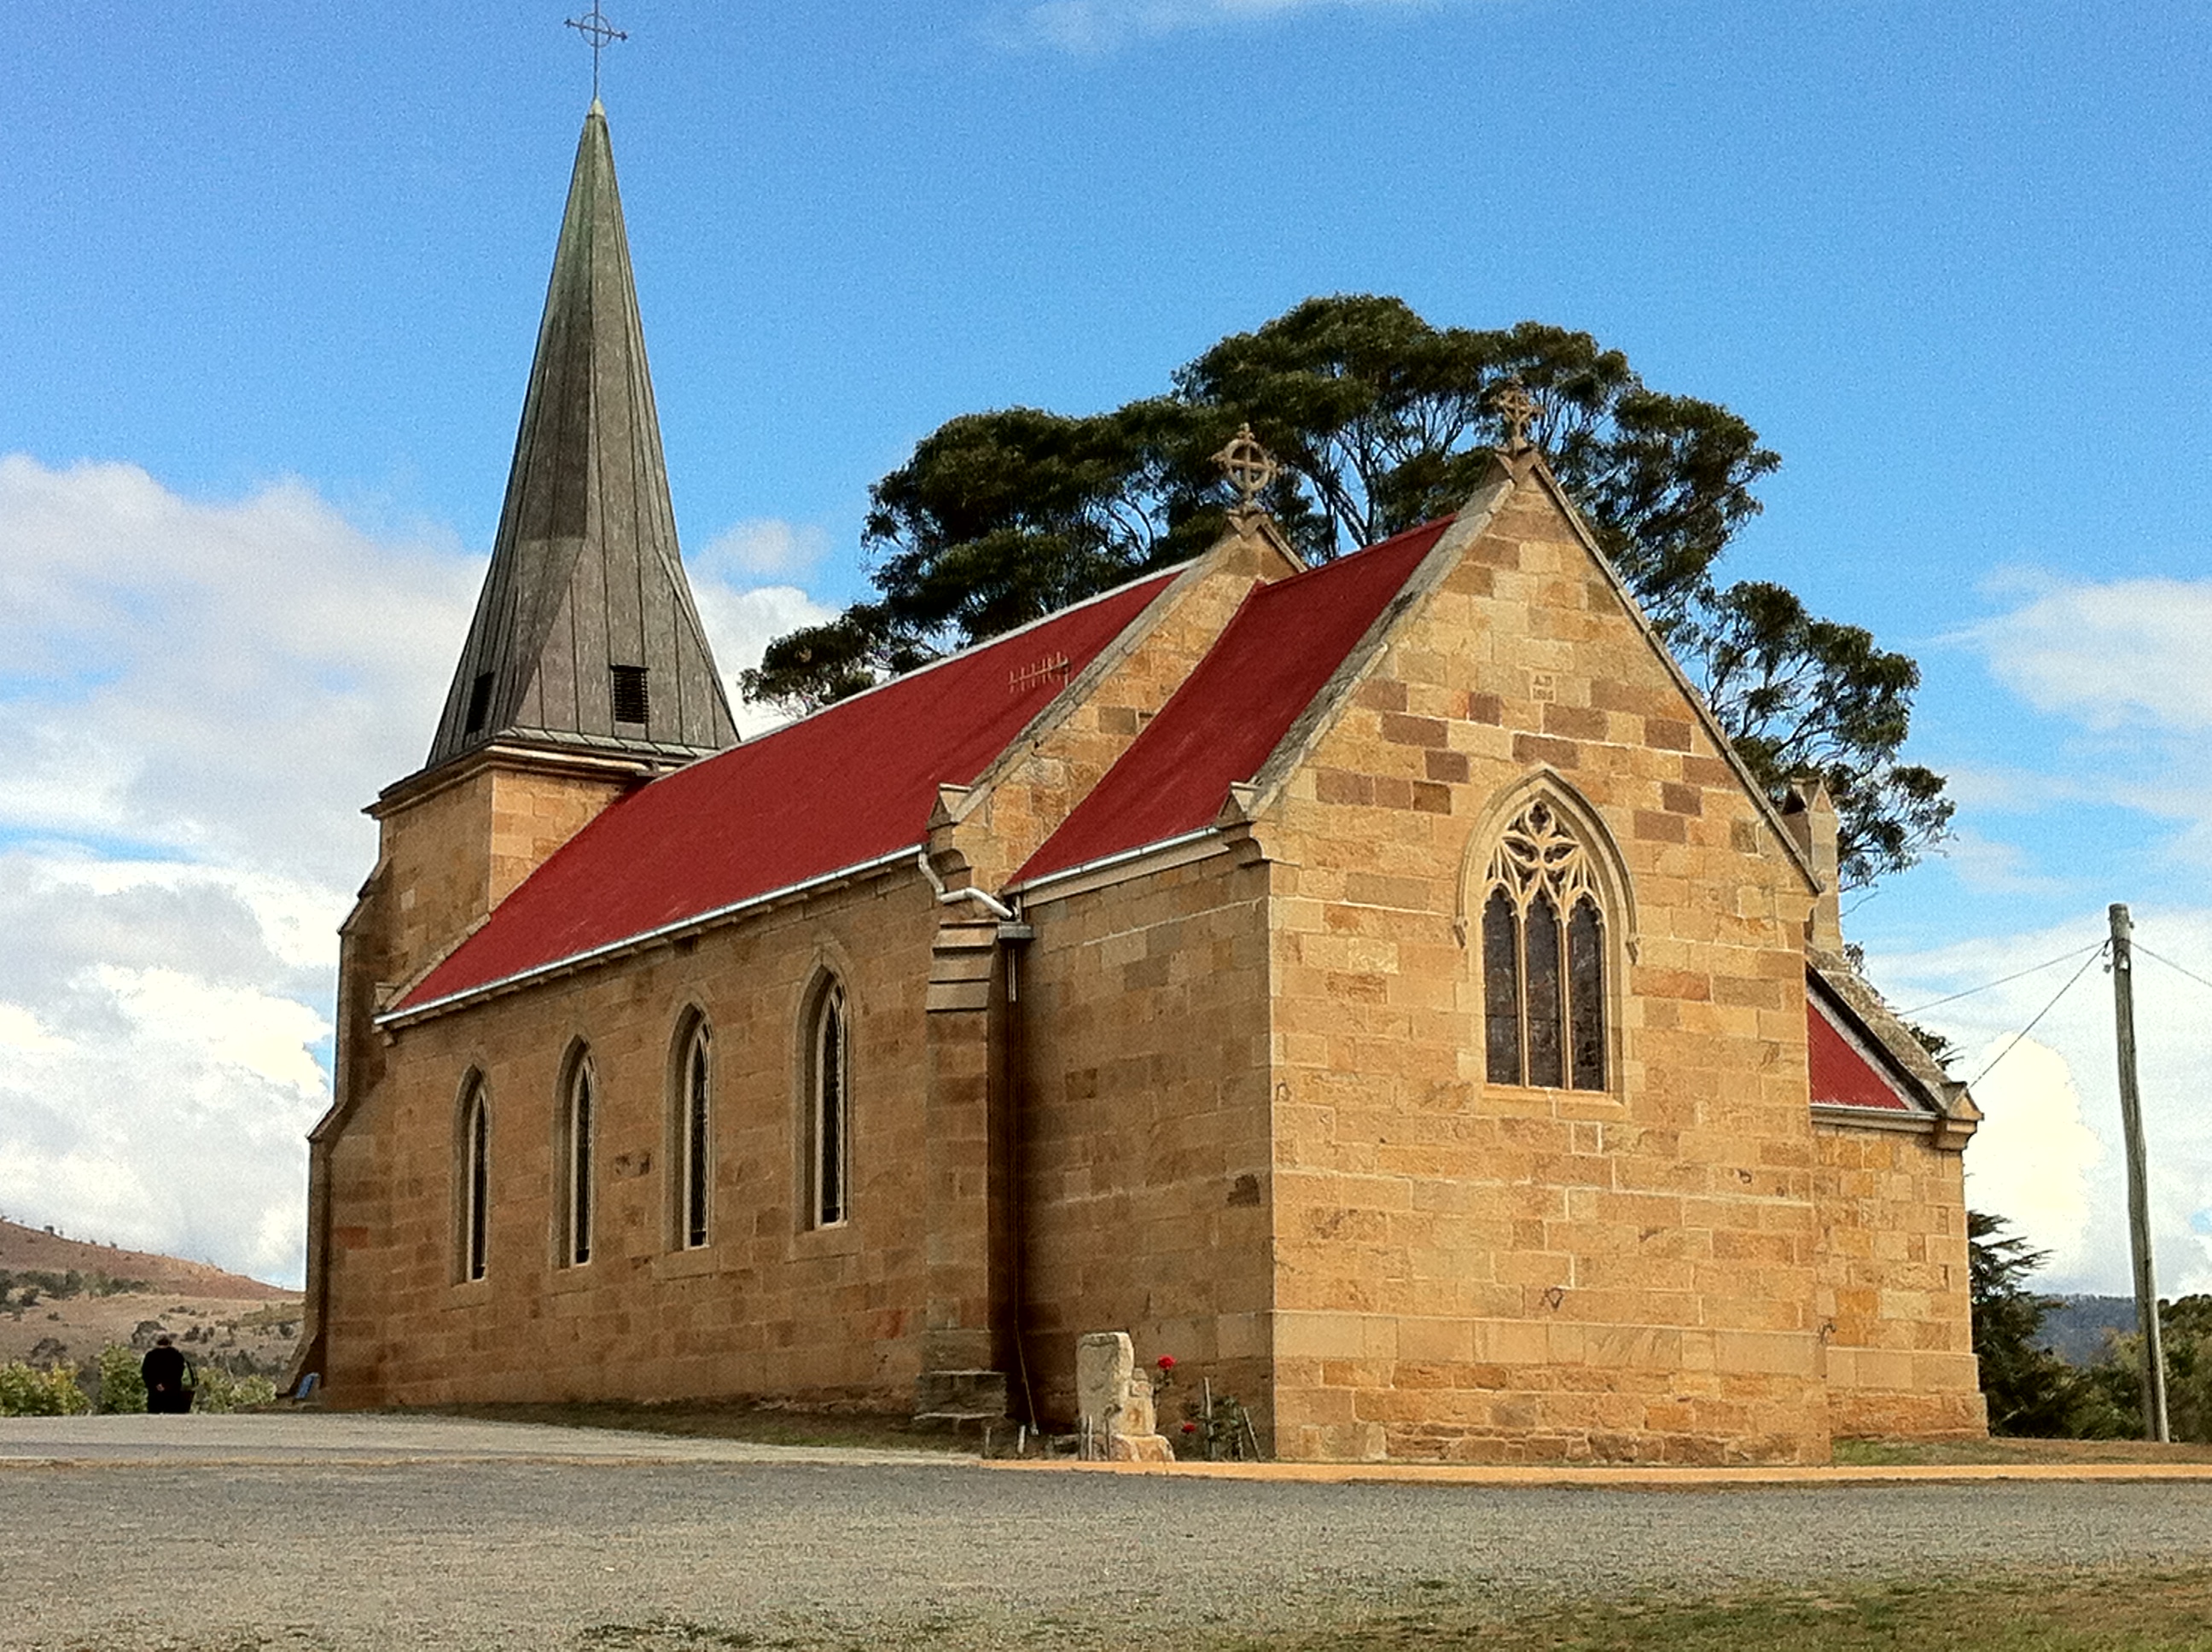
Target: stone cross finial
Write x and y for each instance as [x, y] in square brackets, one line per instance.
[595, 27]
[1519, 410]
[1250, 468]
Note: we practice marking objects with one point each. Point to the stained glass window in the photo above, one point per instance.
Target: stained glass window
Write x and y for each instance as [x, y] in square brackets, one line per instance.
[1543, 958]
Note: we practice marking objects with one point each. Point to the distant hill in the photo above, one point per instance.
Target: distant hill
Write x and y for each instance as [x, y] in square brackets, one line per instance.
[2075, 1329]
[34, 1250]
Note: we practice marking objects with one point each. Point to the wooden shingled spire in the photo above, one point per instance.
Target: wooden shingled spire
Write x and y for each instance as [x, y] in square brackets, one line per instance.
[586, 638]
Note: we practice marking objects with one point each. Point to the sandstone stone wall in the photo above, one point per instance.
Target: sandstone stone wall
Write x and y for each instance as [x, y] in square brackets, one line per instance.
[1894, 1290]
[1036, 785]
[768, 1306]
[1145, 1165]
[448, 857]
[1476, 1270]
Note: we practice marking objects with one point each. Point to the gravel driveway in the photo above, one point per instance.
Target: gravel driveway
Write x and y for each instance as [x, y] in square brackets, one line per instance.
[511, 1547]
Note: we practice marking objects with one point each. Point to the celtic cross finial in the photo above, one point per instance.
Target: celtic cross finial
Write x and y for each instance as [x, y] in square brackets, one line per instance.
[595, 27]
[1519, 410]
[1250, 468]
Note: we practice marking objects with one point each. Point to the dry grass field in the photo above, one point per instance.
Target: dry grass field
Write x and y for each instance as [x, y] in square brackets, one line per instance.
[214, 1315]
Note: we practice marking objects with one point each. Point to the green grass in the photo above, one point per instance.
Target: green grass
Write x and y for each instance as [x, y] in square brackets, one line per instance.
[2135, 1611]
[1888, 1453]
[2119, 1610]
[2084, 1612]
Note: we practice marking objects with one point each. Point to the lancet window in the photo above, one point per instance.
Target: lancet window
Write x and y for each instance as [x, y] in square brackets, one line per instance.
[694, 1130]
[579, 1106]
[829, 1067]
[1543, 958]
[474, 1193]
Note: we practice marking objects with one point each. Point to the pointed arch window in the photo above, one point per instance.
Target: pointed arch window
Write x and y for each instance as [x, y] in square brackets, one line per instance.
[693, 1120]
[830, 1069]
[580, 1107]
[472, 1203]
[1543, 958]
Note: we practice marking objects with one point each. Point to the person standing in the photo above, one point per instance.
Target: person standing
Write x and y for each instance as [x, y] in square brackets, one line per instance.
[168, 1378]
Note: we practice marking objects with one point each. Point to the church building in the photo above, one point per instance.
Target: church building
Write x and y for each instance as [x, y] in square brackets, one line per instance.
[1377, 986]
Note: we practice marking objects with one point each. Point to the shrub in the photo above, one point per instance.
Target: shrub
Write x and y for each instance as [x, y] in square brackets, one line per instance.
[28, 1391]
[215, 1386]
[121, 1387]
[221, 1390]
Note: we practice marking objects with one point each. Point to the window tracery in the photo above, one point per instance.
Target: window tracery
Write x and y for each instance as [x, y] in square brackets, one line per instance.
[1543, 958]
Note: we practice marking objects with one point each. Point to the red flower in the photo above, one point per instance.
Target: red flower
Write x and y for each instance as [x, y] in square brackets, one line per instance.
[1167, 1362]
[1190, 1428]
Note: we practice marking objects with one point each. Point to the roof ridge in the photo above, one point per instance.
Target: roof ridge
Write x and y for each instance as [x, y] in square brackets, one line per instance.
[1137, 795]
[821, 794]
[972, 649]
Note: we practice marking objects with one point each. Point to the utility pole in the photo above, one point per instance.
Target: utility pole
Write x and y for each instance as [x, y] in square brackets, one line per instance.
[2123, 1019]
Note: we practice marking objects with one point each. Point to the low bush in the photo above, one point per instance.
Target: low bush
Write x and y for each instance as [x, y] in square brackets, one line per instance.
[220, 1390]
[30, 1391]
[121, 1387]
[215, 1386]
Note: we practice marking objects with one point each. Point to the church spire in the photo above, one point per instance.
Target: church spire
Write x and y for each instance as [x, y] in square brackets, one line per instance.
[586, 638]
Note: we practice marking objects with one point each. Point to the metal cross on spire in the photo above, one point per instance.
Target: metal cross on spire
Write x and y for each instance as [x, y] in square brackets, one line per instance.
[1250, 468]
[1514, 404]
[595, 27]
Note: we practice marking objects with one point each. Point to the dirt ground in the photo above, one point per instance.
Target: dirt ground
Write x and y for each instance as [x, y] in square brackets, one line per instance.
[344, 1533]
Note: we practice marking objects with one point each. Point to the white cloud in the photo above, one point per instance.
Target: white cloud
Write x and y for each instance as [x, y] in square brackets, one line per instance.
[1093, 26]
[196, 700]
[226, 682]
[177, 1020]
[1988, 864]
[742, 623]
[2105, 655]
[261, 1035]
[2049, 1155]
[21, 1032]
[766, 548]
[2030, 1158]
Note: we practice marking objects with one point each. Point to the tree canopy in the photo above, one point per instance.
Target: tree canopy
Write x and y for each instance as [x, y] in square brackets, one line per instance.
[1382, 422]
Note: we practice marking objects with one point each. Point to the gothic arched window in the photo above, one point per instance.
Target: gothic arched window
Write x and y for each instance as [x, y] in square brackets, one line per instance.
[579, 1103]
[472, 1202]
[1543, 958]
[828, 1072]
[694, 1123]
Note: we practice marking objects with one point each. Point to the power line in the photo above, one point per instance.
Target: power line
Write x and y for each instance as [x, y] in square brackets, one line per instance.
[2063, 957]
[2172, 965]
[2095, 953]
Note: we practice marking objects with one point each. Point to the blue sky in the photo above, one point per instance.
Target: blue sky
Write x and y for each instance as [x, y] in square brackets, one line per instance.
[271, 277]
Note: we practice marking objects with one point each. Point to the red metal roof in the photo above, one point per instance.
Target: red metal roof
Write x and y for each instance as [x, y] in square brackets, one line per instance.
[1843, 1076]
[849, 785]
[1233, 710]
